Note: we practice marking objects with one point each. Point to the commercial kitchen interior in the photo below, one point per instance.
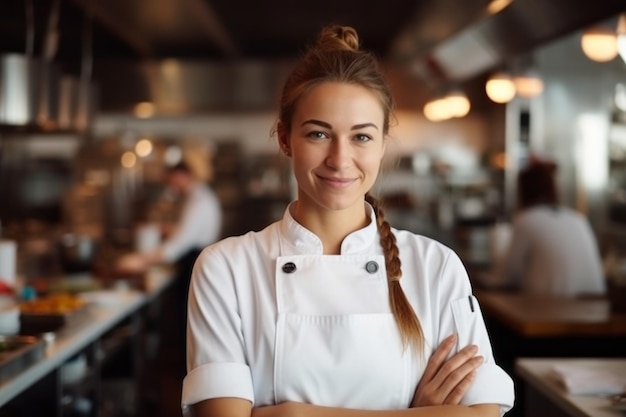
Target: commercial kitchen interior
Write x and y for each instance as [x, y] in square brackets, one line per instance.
[201, 78]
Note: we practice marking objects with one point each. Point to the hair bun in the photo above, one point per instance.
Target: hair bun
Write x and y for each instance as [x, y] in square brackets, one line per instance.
[338, 37]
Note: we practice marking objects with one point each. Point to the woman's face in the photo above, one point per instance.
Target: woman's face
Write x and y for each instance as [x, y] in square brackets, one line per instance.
[337, 143]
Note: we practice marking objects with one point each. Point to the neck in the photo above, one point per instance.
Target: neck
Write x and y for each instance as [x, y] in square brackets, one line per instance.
[331, 226]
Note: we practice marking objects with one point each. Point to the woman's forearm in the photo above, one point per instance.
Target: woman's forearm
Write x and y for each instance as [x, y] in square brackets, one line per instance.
[308, 410]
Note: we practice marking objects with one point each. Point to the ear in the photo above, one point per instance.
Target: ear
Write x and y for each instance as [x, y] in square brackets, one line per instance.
[283, 139]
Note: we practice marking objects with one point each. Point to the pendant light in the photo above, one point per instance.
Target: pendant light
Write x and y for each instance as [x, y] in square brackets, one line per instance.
[453, 104]
[599, 44]
[528, 84]
[496, 6]
[621, 36]
[435, 111]
[458, 104]
[500, 87]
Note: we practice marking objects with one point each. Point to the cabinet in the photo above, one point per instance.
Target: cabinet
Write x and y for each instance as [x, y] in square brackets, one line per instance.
[78, 386]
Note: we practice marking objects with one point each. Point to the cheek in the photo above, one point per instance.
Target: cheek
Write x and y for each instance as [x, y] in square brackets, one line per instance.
[372, 162]
[307, 157]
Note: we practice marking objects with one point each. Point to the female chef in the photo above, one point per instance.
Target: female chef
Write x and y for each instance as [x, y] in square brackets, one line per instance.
[330, 311]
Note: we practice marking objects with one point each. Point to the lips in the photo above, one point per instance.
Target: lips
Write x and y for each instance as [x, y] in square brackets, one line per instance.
[336, 182]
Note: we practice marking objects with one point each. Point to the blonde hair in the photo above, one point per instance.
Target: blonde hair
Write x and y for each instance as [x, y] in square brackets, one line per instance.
[336, 57]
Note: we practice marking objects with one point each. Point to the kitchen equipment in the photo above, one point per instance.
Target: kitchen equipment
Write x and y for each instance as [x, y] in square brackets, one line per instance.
[68, 102]
[49, 96]
[77, 252]
[51, 312]
[74, 370]
[9, 316]
[19, 89]
[48, 106]
[17, 353]
[8, 262]
[147, 237]
[29, 86]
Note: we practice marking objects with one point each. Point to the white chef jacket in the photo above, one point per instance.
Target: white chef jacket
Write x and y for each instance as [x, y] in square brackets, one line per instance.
[199, 225]
[272, 319]
[553, 251]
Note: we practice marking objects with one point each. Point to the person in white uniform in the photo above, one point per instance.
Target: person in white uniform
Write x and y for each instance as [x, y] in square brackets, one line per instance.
[330, 311]
[199, 225]
[553, 250]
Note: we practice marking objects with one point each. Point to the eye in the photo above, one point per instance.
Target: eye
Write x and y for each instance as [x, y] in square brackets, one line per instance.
[316, 134]
[362, 138]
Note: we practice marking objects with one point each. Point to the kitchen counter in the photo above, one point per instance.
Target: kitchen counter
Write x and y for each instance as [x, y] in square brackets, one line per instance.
[545, 397]
[528, 326]
[98, 318]
[533, 316]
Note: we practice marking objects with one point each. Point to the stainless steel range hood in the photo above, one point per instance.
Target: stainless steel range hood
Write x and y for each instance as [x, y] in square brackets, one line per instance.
[177, 87]
[494, 39]
[455, 57]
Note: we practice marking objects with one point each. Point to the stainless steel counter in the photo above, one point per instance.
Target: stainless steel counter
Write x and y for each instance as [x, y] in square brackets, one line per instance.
[99, 318]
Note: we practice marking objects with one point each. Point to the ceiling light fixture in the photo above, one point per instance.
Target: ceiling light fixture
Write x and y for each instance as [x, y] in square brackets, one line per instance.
[496, 6]
[599, 44]
[454, 104]
[144, 147]
[528, 84]
[435, 110]
[621, 36]
[458, 104]
[500, 88]
[144, 110]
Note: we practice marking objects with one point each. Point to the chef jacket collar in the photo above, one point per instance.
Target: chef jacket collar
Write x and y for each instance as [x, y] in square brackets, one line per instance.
[307, 242]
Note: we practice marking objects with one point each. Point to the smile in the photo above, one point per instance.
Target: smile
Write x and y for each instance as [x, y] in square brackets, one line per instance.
[336, 182]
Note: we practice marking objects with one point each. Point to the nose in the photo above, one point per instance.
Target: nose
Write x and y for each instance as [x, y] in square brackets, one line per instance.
[339, 154]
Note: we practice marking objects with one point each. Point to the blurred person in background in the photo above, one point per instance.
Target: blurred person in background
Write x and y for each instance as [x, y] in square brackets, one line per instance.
[198, 225]
[553, 250]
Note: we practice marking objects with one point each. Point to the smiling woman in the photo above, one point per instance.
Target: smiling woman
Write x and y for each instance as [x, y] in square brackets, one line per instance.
[330, 311]
[337, 143]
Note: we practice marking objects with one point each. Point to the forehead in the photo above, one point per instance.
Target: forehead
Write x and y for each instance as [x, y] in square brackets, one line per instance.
[340, 102]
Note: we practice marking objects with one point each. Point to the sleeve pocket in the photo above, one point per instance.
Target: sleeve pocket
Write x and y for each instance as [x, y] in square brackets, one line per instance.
[470, 326]
[492, 385]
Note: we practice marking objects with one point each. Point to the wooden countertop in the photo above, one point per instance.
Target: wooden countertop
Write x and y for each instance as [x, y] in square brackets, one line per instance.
[535, 316]
[535, 372]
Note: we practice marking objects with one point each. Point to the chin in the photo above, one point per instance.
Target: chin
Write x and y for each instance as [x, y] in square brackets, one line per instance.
[336, 204]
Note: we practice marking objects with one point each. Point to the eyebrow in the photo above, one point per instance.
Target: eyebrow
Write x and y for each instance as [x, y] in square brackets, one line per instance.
[328, 126]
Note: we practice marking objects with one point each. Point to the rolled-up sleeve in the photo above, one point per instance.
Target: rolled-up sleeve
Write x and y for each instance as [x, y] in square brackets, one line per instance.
[216, 360]
[218, 380]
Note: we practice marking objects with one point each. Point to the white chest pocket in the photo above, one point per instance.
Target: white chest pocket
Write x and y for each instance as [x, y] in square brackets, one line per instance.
[337, 343]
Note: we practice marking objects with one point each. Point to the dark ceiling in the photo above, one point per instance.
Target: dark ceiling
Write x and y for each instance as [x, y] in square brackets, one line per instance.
[438, 41]
[223, 29]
